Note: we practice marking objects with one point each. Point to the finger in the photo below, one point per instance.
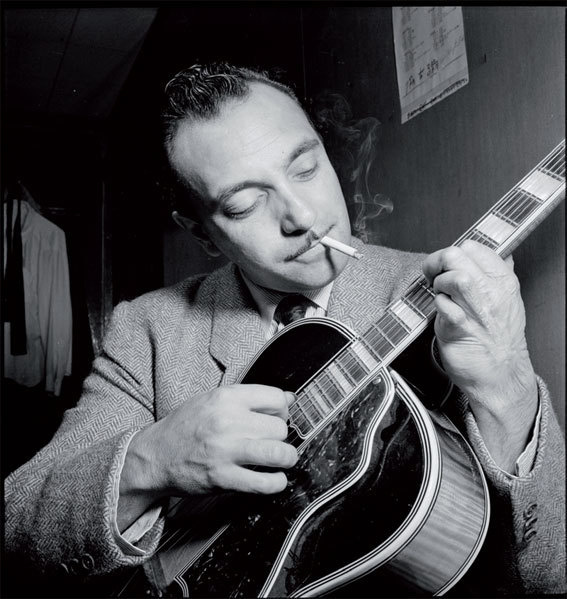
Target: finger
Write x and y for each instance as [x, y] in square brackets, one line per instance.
[448, 312]
[461, 288]
[447, 259]
[262, 452]
[486, 259]
[245, 480]
[255, 425]
[268, 400]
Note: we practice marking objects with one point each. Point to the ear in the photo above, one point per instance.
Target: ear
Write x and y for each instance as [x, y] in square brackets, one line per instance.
[196, 229]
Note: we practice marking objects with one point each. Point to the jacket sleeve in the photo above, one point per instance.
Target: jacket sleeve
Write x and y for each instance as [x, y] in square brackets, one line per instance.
[524, 552]
[60, 506]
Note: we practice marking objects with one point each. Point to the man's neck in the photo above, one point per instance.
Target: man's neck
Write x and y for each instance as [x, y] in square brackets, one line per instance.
[266, 299]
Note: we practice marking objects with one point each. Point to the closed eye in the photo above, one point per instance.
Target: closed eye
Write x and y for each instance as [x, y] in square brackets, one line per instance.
[306, 174]
[240, 207]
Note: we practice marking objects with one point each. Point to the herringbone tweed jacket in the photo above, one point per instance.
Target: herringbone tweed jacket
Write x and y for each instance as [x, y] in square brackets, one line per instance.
[169, 345]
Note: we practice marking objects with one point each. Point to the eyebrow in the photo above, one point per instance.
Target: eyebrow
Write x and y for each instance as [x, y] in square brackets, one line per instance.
[302, 148]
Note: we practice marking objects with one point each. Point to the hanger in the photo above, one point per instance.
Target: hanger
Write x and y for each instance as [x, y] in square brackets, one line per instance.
[27, 197]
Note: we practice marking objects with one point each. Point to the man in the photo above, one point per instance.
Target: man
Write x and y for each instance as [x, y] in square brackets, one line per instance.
[162, 416]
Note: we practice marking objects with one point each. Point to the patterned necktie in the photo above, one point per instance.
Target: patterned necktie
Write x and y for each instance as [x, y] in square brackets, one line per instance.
[291, 308]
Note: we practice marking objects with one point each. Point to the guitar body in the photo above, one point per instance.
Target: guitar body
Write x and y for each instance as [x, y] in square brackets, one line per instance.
[387, 498]
[384, 496]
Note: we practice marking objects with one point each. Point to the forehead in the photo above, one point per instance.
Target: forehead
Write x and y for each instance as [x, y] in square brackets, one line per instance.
[250, 136]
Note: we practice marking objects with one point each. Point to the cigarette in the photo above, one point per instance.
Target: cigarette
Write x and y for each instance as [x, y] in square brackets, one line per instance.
[341, 247]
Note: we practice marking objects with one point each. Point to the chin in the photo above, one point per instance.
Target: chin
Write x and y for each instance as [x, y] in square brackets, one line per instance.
[317, 277]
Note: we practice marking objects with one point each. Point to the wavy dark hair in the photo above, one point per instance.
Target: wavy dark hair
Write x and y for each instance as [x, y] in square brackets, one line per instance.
[198, 93]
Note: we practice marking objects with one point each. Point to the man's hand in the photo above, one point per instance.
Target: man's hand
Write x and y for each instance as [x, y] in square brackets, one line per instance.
[209, 444]
[480, 332]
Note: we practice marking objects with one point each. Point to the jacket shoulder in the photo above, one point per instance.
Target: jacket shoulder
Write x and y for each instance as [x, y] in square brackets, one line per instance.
[394, 267]
[189, 300]
[393, 257]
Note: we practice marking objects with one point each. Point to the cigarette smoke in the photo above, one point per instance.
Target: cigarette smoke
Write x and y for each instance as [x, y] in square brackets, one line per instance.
[351, 147]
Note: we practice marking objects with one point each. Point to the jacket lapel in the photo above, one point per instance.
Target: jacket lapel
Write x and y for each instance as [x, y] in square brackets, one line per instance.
[358, 298]
[237, 332]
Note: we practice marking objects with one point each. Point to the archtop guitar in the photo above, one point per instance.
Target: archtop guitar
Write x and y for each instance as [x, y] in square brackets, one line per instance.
[386, 492]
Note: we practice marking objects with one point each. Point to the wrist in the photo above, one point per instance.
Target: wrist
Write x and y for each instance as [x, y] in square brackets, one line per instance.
[139, 485]
[506, 427]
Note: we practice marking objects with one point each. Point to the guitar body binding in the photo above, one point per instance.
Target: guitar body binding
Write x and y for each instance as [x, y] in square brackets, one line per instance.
[366, 494]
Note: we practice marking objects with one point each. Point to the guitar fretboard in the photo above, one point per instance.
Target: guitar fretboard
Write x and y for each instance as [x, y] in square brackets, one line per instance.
[502, 228]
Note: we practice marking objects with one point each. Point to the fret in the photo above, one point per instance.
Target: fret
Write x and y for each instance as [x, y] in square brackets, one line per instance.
[477, 235]
[302, 411]
[495, 228]
[506, 217]
[528, 194]
[540, 185]
[391, 327]
[521, 207]
[413, 303]
[320, 410]
[300, 421]
[425, 286]
[360, 348]
[315, 391]
[312, 411]
[407, 314]
[559, 176]
[338, 376]
[329, 387]
[398, 320]
[381, 342]
[369, 346]
[356, 368]
[421, 297]
[345, 370]
[383, 339]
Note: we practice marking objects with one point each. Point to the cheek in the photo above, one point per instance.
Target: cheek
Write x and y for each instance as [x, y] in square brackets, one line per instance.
[247, 245]
[333, 191]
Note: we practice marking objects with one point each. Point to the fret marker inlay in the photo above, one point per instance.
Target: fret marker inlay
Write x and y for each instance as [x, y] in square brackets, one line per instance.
[540, 185]
[494, 227]
[407, 315]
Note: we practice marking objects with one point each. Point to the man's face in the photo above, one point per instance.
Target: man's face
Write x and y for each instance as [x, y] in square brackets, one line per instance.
[268, 190]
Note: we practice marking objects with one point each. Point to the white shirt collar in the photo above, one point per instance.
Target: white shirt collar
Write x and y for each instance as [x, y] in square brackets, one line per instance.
[267, 299]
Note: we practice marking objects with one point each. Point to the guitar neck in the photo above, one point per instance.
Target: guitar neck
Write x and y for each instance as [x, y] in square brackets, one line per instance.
[524, 207]
[502, 228]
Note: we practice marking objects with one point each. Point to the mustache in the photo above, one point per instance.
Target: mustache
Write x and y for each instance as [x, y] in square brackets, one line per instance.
[310, 238]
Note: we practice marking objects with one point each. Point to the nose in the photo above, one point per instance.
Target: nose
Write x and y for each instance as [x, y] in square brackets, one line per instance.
[298, 214]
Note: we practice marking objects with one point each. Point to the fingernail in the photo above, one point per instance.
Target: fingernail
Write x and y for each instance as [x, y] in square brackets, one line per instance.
[290, 397]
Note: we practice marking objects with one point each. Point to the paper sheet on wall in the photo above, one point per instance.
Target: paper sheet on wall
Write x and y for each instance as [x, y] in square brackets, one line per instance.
[431, 58]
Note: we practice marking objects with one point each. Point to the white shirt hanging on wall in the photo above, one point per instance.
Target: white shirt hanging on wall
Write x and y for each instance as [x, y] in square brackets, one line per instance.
[49, 322]
[431, 57]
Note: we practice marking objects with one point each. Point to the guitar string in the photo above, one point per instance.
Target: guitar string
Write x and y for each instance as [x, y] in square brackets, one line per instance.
[346, 358]
[556, 155]
[344, 362]
[506, 205]
[510, 205]
[388, 330]
[514, 196]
